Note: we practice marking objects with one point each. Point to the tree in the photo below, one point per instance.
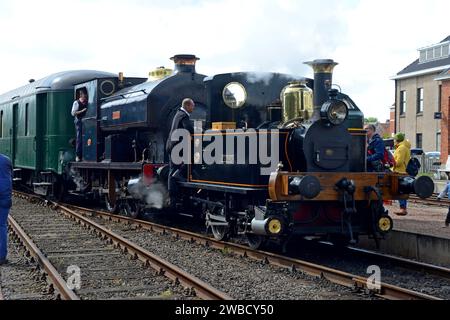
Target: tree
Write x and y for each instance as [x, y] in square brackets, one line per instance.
[371, 120]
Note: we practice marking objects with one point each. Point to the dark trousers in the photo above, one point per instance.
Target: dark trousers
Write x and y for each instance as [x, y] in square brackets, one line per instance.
[79, 145]
[403, 204]
[177, 172]
[3, 232]
[172, 181]
[447, 220]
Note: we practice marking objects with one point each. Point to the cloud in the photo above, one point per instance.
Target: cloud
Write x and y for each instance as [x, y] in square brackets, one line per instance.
[371, 40]
[382, 39]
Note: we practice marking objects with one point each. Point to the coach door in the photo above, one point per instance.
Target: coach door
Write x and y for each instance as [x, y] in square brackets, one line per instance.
[14, 130]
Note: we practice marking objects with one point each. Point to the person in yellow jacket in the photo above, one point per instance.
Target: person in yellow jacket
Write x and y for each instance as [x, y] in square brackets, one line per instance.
[402, 155]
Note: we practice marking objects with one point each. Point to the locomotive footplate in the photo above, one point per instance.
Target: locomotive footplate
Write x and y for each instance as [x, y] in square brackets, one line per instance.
[108, 165]
[222, 188]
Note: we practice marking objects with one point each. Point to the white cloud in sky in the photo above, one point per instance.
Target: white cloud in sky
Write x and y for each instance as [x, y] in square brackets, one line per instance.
[372, 40]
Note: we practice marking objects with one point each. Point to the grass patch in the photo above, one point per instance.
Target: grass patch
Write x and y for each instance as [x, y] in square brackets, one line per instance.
[167, 294]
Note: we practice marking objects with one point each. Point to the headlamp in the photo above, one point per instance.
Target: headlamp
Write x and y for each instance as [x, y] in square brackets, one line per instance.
[334, 112]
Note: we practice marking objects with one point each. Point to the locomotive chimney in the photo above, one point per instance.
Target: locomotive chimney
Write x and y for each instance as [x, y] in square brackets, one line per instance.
[323, 79]
[184, 63]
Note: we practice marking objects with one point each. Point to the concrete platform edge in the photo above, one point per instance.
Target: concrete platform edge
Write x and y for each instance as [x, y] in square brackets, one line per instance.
[425, 248]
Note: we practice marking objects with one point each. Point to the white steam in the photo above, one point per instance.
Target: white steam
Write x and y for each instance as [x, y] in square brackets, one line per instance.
[155, 195]
[254, 77]
[78, 180]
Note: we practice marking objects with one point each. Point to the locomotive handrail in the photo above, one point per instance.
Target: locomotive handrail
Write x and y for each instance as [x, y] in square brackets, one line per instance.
[123, 94]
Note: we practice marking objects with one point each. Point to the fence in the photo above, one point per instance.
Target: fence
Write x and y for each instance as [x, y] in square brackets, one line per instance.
[429, 163]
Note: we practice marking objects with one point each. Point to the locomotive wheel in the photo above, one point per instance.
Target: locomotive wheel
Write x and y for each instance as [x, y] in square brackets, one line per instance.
[220, 233]
[256, 242]
[130, 209]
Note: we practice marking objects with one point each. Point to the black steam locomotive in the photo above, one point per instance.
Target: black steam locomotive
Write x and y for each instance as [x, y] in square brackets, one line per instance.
[272, 155]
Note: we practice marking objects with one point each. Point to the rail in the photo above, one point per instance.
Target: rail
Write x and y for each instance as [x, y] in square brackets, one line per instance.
[385, 291]
[201, 288]
[55, 279]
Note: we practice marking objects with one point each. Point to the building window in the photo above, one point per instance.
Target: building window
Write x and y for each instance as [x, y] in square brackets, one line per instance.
[438, 52]
[438, 141]
[423, 56]
[435, 52]
[26, 120]
[402, 102]
[419, 140]
[1, 124]
[445, 50]
[420, 100]
[430, 54]
[440, 98]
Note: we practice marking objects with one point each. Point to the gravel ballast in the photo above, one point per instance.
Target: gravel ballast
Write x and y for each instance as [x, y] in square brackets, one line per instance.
[105, 272]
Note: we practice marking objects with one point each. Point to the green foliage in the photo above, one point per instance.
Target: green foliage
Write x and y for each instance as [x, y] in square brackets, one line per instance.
[427, 174]
[167, 294]
[226, 251]
[370, 120]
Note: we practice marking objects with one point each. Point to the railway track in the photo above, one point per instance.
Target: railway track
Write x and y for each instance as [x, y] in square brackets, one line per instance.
[427, 268]
[384, 291]
[57, 239]
[55, 279]
[433, 201]
[22, 278]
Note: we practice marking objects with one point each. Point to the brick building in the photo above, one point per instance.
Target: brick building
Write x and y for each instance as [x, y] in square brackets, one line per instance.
[444, 81]
[392, 120]
[383, 129]
[419, 99]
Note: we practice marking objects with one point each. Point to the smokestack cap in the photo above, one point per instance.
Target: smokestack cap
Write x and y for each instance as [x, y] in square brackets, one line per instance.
[184, 59]
[184, 63]
[322, 65]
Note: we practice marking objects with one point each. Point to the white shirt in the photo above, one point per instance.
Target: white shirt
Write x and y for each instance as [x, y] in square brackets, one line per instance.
[75, 108]
[183, 109]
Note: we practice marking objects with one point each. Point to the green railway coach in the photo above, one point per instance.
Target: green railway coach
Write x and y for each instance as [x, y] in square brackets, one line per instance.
[36, 125]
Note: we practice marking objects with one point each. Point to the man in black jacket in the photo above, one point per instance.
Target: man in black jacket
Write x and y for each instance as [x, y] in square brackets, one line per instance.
[181, 120]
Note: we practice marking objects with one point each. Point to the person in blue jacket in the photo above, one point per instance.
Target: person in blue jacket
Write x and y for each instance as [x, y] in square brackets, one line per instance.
[5, 204]
[446, 193]
[375, 150]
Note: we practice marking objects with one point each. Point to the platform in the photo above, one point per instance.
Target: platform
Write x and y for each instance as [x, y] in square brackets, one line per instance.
[421, 219]
[420, 235]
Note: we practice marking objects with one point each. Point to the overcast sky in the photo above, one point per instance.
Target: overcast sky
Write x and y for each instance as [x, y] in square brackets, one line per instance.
[371, 40]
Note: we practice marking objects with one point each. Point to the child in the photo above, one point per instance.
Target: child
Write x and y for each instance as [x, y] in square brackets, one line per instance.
[446, 193]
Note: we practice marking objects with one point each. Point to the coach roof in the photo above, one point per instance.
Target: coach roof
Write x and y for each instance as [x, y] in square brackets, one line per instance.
[59, 81]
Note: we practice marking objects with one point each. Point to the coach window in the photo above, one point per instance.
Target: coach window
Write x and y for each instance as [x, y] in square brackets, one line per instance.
[1, 124]
[26, 120]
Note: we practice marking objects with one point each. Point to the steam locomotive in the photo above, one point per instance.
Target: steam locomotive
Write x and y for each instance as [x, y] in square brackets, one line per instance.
[272, 155]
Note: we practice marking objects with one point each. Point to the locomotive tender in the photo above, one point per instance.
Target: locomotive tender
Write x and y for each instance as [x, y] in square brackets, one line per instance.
[289, 153]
